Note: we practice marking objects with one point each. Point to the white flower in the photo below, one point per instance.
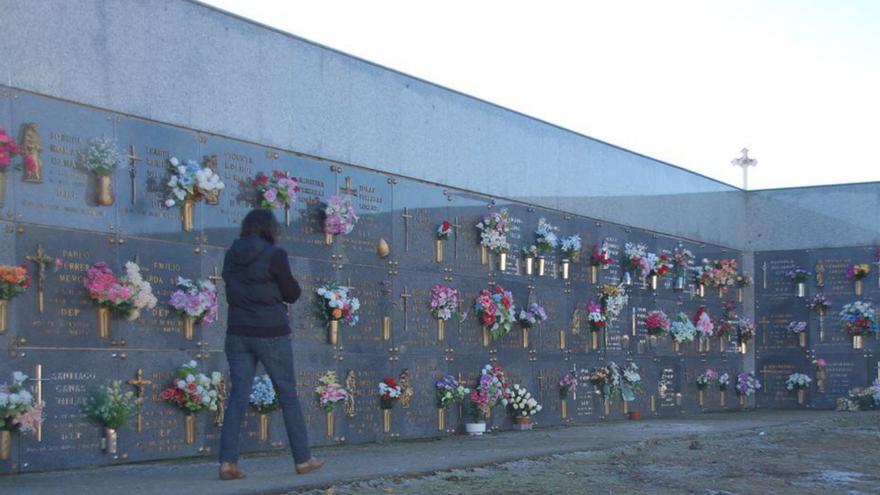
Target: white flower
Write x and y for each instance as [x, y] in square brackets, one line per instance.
[169, 203]
[174, 161]
[216, 377]
[18, 377]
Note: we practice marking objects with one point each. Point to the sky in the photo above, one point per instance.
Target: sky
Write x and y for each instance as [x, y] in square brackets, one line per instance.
[687, 82]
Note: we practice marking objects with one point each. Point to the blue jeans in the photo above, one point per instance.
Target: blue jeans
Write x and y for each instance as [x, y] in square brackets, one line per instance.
[276, 355]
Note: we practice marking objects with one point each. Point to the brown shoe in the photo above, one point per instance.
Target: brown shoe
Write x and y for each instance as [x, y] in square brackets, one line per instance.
[230, 472]
[309, 466]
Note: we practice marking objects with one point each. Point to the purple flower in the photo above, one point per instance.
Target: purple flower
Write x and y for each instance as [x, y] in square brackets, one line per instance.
[270, 194]
[178, 300]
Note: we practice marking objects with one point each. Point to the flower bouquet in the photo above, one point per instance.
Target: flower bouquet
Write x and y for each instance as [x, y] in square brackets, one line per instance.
[568, 386]
[126, 296]
[703, 382]
[493, 236]
[530, 318]
[571, 248]
[19, 411]
[799, 277]
[449, 392]
[820, 304]
[596, 319]
[682, 331]
[112, 409]
[720, 274]
[529, 254]
[330, 394]
[496, 312]
[8, 149]
[857, 273]
[635, 262]
[339, 217]
[861, 399]
[389, 394]
[745, 330]
[14, 280]
[742, 281]
[277, 191]
[545, 242]
[491, 390]
[705, 327]
[335, 304]
[195, 301]
[599, 259]
[523, 406]
[660, 267]
[613, 299]
[858, 319]
[189, 183]
[799, 328]
[443, 231]
[657, 323]
[264, 400]
[746, 384]
[445, 302]
[192, 392]
[101, 158]
[726, 325]
[799, 382]
[682, 259]
[723, 382]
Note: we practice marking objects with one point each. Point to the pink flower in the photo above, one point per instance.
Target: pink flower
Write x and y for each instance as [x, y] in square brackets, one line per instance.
[59, 263]
[30, 420]
[820, 363]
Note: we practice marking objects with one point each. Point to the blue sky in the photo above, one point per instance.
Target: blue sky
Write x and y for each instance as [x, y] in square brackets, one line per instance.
[688, 82]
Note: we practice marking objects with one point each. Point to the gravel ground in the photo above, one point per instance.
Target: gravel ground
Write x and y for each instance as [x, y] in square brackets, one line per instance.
[836, 454]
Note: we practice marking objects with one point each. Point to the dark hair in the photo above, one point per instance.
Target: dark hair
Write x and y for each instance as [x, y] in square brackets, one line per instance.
[262, 223]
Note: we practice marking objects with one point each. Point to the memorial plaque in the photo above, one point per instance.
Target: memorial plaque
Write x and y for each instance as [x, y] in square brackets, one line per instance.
[416, 328]
[317, 182]
[311, 361]
[365, 425]
[419, 209]
[371, 195]
[142, 179]
[374, 289]
[665, 379]
[161, 263]
[9, 256]
[7, 188]
[468, 209]
[417, 410]
[305, 322]
[773, 319]
[69, 438]
[773, 373]
[68, 318]
[60, 192]
[545, 340]
[778, 264]
[843, 372]
[522, 221]
[163, 433]
[544, 387]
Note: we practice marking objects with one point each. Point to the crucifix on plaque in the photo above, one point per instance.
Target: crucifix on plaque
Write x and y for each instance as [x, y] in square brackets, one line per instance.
[41, 260]
[405, 296]
[38, 397]
[348, 188]
[139, 384]
[406, 216]
[574, 374]
[763, 322]
[764, 269]
[132, 172]
[541, 378]
[456, 227]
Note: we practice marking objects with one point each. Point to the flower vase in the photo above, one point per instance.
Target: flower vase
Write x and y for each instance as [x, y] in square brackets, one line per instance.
[333, 332]
[678, 285]
[743, 348]
[189, 328]
[594, 274]
[676, 346]
[264, 426]
[655, 281]
[635, 415]
[701, 290]
[801, 396]
[2, 188]
[720, 292]
[287, 215]
[441, 419]
[542, 265]
[525, 338]
[742, 400]
[438, 250]
[564, 408]
[530, 265]
[109, 441]
[189, 425]
[606, 407]
[802, 339]
[328, 239]
[5, 444]
[522, 423]
[820, 381]
[441, 329]
[186, 215]
[486, 336]
[701, 398]
[475, 429]
[739, 295]
[625, 407]
[722, 343]
[4, 309]
[594, 340]
[331, 423]
[858, 287]
[103, 322]
[502, 262]
[484, 255]
[858, 342]
[800, 290]
[628, 279]
[565, 265]
[723, 398]
[386, 420]
[653, 404]
[105, 190]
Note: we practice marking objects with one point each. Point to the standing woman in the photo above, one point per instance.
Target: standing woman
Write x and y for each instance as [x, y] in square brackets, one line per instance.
[258, 283]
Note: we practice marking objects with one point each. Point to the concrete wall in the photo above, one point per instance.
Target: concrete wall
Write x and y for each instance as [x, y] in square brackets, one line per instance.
[187, 64]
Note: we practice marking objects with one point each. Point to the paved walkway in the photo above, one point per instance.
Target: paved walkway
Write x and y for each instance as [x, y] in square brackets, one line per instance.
[274, 474]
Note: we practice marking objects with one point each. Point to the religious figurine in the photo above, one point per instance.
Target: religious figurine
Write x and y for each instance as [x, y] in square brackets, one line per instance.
[576, 322]
[220, 414]
[351, 387]
[212, 197]
[406, 390]
[30, 152]
[820, 274]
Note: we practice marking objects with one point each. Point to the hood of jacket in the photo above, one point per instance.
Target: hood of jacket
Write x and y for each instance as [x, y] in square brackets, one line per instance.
[246, 250]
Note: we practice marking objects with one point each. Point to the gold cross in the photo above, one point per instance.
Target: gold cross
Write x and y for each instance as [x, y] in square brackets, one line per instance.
[541, 379]
[456, 226]
[215, 275]
[139, 383]
[41, 261]
[38, 396]
[348, 188]
[764, 321]
[405, 296]
[406, 217]
[132, 171]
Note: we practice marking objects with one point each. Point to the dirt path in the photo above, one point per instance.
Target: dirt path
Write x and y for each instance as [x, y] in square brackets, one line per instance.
[831, 454]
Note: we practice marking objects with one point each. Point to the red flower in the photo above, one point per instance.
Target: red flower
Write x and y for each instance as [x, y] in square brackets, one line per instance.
[167, 394]
[506, 302]
[390, 381]
[488, 319]
[446, 225]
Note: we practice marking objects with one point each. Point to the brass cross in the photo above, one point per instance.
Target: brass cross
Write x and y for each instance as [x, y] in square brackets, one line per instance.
[38, 396]
[215, 275]
[406, 216]
[139, 384]
[455, 226]
[541, 379]
[764, 321]
[41, 261]
[405, 296]
[348, 188]
[764, 269]
[132, 171]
